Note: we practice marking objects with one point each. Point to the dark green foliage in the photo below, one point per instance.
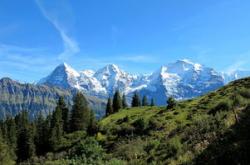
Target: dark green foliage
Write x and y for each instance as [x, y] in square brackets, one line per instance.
[109, 107]
[65, 113]
[124, 101]
[56, 128]
[144, 101]
[221, 106]
[92, 128]
[80, 113]
[140, 125]
[11, 133]
[245, 93]
[117, 101]
[25, 138]
[136, 100]
[171, 103]
[42, 134]
[152, 103]
[88, 150]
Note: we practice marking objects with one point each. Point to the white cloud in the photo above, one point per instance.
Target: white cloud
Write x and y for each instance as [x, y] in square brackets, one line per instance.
[55, 16]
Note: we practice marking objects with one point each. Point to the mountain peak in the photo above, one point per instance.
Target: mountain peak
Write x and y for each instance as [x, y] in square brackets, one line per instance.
[112, 67]
[184, 65]
[68, 69]
[109, 69]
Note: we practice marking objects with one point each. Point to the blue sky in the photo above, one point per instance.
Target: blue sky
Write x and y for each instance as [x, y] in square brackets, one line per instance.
[137, 35]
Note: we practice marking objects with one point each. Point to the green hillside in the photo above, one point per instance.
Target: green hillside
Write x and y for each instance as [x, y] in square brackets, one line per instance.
[211, 129]
[199, 131]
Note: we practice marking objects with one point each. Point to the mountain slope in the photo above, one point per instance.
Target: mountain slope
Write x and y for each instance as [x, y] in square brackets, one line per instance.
[15, 97]
[205, 130]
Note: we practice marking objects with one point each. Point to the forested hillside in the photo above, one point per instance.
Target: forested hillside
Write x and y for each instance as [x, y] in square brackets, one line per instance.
[211, 129]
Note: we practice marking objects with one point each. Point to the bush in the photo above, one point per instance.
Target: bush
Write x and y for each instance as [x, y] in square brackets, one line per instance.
[87, 150]
[245, 93]
[171, 103]
[221, 106]
[130, 150]
[154, 124]
[140, 125]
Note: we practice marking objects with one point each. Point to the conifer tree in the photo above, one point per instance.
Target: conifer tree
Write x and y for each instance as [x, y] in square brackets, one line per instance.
[11, 138]
[109, 107]
[92, 128]
[25, 139]
[124, 101]
[65, 113]
[145, 101]
[42, 134]
[80, 113]
[56, 127]
[152, 102]
[136, 101]
[117, 101]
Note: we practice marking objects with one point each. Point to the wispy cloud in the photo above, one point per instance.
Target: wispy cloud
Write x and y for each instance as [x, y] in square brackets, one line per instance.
[26, 57]
[56, 16]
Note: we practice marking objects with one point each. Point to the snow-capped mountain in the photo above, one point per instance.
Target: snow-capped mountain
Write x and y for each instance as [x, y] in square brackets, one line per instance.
[112, 77]
[182, 80]
[63, 76]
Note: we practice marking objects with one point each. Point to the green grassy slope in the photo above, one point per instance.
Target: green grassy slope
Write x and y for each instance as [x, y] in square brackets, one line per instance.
[190, 133]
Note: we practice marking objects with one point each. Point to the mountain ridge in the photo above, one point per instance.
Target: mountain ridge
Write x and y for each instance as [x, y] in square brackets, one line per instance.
[16, 96]
[182, 79]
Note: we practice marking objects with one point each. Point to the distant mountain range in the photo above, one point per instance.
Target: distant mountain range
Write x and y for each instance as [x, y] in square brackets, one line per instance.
[182, 79]
[15, 97]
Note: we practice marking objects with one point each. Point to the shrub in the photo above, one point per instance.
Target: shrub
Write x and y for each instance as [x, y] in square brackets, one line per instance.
[245, 93]
[88, 150]
[221, 106]
[140, 125]
[171, 103]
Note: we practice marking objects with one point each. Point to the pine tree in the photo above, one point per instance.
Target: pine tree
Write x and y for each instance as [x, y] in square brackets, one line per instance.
[124, 101]
[145, 101]
[56, 127]
[65, 113]
[136, 101]
[152, 102]
[92, 128]
[11, 135]
[25, 139]
[42, 135]
[80, 113]
[171, 103]
[109, 107]
[117, 101]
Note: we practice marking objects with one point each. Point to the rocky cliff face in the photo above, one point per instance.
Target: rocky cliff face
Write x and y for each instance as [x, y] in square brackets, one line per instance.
[15, 97]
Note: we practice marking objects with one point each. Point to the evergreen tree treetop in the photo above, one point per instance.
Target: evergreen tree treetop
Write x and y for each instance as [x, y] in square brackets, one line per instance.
[117, 101]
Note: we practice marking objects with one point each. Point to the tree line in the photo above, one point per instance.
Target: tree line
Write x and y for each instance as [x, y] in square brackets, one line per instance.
[117, 102]
[21, 138]
[120, 102]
